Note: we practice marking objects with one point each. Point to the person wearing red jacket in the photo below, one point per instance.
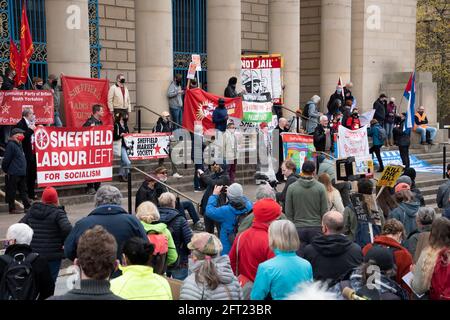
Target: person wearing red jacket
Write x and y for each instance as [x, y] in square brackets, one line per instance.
[353, 122]
[251, 247]
[391, 237]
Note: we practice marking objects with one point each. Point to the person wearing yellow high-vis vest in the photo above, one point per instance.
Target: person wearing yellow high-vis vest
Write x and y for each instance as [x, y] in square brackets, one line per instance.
[421, 126]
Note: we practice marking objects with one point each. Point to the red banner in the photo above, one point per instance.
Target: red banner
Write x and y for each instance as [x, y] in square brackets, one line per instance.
[80, 94]
[26, 46]
[14, 60]
[199, 105]
[13, 102]
[73, 156]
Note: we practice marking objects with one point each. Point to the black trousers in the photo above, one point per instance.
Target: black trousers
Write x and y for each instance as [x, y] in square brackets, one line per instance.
[14, 183]
[376, 150]
[95, 185]
[404, 154]
[31, 177]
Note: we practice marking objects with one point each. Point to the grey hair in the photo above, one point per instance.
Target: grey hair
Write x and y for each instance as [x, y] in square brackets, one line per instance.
[21, 233]
[108, 195]
[426, 215]
[315, 98]
[283, 236]
[167, 200]
[323, 117]
[265, 191]
[334, 221]
[26, 112]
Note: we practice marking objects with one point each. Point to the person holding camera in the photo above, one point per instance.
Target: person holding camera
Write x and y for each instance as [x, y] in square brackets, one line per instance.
[228, 214]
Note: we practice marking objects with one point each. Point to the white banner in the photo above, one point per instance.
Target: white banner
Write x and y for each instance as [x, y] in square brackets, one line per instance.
[353, 143]
[142, 146]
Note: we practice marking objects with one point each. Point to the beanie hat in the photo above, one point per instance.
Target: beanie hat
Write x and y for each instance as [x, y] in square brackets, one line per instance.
[235, 191]
[404, 179]
[402, 186]
[382, 257]
[266, 210]
[50, 196]
[410, 172]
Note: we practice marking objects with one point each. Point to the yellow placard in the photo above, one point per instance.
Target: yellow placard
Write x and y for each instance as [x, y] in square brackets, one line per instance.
[390, 176]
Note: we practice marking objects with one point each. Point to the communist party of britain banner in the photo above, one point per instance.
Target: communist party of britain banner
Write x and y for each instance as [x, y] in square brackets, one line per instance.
[299, 148]
[146, 146]
[13, 102]
[199, 105]
[67, 156]
[262, 75]
[80, 94]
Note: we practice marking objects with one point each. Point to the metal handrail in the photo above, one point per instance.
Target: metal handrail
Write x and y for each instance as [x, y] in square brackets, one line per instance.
[167, 186]
[156, 113]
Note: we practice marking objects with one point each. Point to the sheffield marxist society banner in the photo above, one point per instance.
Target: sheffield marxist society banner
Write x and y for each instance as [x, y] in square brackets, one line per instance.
[299, 148]
[13, 102]
[80, 94]
[146, 146]
[199, 105]
[67, 156]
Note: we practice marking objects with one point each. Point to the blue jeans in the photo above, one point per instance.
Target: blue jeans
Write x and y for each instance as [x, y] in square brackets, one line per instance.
[58, 122]
[178, 273]
[189, 206]
[423, 133]
[176, 114]
[54, 266]
[124, 162]
[389, 127]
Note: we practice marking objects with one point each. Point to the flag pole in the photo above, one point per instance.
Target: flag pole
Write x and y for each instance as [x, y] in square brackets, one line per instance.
[32, 84]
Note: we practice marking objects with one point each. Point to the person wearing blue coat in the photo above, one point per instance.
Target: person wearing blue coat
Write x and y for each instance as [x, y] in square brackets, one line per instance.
[220, 116]
[374, 132]
[228, 214]
[280, 276]
[110, 215]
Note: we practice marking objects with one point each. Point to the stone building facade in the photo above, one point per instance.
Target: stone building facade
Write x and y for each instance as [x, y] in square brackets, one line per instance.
[362, 41]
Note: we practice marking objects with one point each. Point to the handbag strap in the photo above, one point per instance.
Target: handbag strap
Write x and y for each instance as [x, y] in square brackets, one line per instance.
[237, 254]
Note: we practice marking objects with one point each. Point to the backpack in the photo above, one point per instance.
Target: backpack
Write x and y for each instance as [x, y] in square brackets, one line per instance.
[305, 112]
[161, 249]
[365, 221]
[237, 223]
[18, 282]
[440, 280]
[382, 135]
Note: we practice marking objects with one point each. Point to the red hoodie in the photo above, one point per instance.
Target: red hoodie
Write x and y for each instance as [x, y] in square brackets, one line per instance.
[403, 258]
[253, 250]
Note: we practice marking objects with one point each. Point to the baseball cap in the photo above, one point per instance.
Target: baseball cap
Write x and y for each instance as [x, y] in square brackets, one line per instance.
[382, 257]
[160, 170]
[16, 131]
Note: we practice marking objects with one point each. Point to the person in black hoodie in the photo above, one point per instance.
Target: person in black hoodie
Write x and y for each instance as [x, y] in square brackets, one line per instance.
[333, 105]
[220, 116]
[19, 237]
[181, 233]
[402, 139]
[320, 134]
[380, 106]
[14, 165]
[51, 228]
[230, 90]
[289, 169]
[332, 255]
[215, 177]
[411, 172]
[121, 129]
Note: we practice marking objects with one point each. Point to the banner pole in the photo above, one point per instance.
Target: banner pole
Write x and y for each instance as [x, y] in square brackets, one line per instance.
[379, 192]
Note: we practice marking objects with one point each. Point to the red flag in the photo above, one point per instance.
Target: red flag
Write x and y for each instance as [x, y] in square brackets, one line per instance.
[14, 59]
[26, 46]
[199, 105]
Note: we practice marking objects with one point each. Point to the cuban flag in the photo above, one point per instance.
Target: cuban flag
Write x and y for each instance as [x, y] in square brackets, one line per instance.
[410, 95]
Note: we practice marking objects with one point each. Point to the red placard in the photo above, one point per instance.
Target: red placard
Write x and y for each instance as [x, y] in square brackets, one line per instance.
[67, 156]
[199, 105]
[296, 137]
[13, 102]
[80, 94]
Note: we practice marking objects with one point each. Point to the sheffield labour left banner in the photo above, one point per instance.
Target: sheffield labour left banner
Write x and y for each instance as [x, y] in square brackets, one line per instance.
[146, 146]
[199, 105]
[67, 156]
[13, 102]
[80, 94]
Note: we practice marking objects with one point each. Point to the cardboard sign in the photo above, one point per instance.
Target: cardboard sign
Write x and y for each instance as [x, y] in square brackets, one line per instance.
[146, 146]
[197, 61]
[13, 102]
[390, 176]
[191, 71]
[67, 156]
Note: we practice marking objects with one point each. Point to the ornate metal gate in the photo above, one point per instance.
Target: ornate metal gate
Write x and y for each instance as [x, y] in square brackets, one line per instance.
[189, 35]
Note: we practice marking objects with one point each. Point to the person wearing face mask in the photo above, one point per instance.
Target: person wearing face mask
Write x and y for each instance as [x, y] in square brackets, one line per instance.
[14, 165]
[230, 90]
[353, 122]
[421, 127]
[120, 130]
[38, 83]
[8, 80]
[380, 106]
[175, 95]
[27, 124]
[119, 97]
[52, 85]
[336, 99]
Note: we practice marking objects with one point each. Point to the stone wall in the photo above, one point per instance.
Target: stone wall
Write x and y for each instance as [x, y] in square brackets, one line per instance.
[117, 38]
[309, 49]
[255, 26]
[376, 52]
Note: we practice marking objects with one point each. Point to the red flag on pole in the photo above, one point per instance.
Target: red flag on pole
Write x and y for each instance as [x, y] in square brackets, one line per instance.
[14, 59]
[26, 46]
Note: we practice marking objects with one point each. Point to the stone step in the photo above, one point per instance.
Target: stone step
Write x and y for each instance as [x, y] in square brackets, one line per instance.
[427, 183]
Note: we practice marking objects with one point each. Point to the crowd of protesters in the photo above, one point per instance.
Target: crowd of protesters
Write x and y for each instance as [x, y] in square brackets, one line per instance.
[315, 229]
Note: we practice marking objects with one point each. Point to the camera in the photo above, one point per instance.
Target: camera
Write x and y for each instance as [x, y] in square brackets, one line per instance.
[261, 178]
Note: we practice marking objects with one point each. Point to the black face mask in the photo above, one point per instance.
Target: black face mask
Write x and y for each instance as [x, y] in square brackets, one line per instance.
[125, 119]
[39, 87]
[54, 83]
[122, 81]
[178, 82]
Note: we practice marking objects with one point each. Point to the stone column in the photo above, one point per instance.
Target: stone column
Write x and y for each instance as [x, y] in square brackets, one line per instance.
[154, 56]
[284, 38]
[68, 37]
[224, 43]
[335, 45]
